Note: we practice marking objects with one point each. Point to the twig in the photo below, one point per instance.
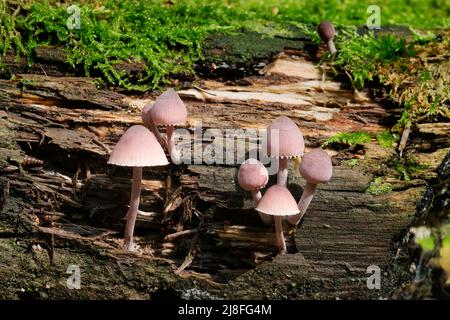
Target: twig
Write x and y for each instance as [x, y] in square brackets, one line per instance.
[205, 91]
[180, 233]
[101, 144]
[191, 254]
[404, 139]
[75, 182]
[45, 73]
[201, 276]
[360, 118]
[51, 252]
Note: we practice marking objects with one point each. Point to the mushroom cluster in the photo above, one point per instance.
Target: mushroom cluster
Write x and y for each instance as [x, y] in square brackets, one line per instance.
[283, 141]
[139, 147]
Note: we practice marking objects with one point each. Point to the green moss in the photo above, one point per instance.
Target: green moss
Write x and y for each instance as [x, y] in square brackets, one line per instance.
[362, 56]
[348, 138]
[378, 187]
[168, 38]
[242, 49]
[426, 96]
[387, 140]
[407, 167]
[351, 163]
[25, 83]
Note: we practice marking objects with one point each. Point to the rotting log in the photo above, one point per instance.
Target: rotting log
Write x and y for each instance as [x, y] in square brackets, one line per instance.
[71, 209]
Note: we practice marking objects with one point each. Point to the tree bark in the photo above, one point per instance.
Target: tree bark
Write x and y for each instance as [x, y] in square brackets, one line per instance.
[72, 208]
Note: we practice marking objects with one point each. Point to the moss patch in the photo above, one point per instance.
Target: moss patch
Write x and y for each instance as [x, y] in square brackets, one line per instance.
[244, 52]
[363, 56]
[378, 187]
[427, 98]
[408, 167]
[348, 138]
[387, 140]
[166, 38]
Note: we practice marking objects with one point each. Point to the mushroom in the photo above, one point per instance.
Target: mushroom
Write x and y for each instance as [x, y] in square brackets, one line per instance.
[315, 168]
[326, 33]
[137, 148]
[146, 118]
[278, 202]
[168, 110]
[284, 140]
[253, 176]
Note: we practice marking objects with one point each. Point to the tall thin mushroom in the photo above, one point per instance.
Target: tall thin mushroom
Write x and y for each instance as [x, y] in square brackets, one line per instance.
[168, 110]
[283, 141]
[326, 33]
[278, 202]
[146, 118]
[137, 148]
[253, 176]
[315, 168]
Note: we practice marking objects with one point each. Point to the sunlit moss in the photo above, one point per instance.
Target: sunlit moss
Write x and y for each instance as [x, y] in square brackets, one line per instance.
[351, 162]
[168, 37]
[386, 139]
[378, 187]
[348, 138]
[362, 56]
[407, 167]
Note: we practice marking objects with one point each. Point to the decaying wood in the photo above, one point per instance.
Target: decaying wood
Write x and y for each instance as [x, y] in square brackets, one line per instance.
[71, 126]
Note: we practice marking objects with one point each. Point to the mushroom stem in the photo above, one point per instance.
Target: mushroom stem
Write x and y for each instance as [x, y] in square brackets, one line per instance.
[331, 47]
[174, 155]
[282, 171]
[158, 135]
[266, 219]
[134, 205]
[256, 195]
[303, 204]
[280, 235]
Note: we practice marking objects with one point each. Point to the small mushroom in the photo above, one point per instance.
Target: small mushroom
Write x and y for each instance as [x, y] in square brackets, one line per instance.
[253, 176]
[168, 110]
[137, 148]
[326, 33]
[278, 202]
[283, 140]
[315, 168]
[146, 118]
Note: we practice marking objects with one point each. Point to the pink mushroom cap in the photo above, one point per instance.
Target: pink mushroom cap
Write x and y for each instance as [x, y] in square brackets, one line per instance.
[138, 147]
[278, 201]
[168, 109]
[145, 116]
[316, 166]
[326, 31]
[290, 139]
[252, 175]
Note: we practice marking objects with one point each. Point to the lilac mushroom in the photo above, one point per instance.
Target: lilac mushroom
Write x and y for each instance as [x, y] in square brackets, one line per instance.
[253, 176]
[315, 168]
[326, 33]
[168, 110]
[278, 202]
[137, 148]
[284, 141]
